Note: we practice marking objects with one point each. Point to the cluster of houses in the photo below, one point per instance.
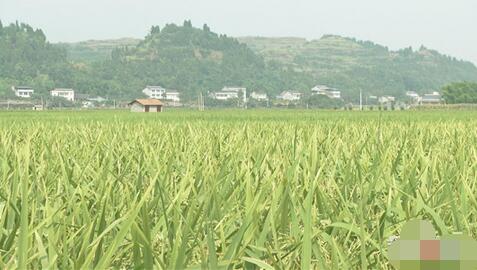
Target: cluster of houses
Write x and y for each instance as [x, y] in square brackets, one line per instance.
[159, 96]
[27, 92]
[431, 98]
[65, 93]
[228, 93]
[413, 99]
[159, 92]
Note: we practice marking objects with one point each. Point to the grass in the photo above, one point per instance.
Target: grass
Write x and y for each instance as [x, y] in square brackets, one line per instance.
[228, 189]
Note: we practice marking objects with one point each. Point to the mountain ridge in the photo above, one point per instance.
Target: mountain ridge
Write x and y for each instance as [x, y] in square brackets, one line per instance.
[111, 43]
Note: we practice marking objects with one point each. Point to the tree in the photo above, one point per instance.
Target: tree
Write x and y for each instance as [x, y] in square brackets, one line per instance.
[188, 23]
[323, 102]
[155, 29]
[461, 92]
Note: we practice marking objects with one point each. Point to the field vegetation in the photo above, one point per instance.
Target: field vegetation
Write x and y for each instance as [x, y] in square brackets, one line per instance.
[229, 189]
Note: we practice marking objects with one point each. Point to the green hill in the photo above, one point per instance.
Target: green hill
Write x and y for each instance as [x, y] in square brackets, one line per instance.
[96, 50]
[352, 65]
[26, 58]
[185, 58]
[194, 60]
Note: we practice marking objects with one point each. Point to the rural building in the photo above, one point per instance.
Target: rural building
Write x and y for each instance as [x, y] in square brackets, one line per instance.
[225, 95]
[414, 97]
[87, 104]
[96, 99]
[68, 94]
[38, 107]
[146, 105]
[229, 93]
[290, 96]
[259, 96]
[326, 91]
[386, 99]
[234, 89]
[433, 98]
[154, 92]
[172, 95]
[23, 91]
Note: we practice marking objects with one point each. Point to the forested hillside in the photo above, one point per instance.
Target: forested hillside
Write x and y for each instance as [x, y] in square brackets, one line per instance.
[185, 58]
[26, 58]
[352, 65]
[194, 60]
[95, 50]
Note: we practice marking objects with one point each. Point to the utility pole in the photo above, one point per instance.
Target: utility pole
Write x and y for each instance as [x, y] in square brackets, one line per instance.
[200, 102]
[360, 100]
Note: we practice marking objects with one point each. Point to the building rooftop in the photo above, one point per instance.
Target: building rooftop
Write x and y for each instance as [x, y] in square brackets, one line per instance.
[22, 88]
[63, 89]
[147, 102]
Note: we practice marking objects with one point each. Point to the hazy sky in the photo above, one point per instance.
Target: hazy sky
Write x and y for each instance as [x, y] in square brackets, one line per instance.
[445, 25]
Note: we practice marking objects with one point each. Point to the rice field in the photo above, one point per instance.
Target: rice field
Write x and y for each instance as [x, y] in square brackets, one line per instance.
[228, 189]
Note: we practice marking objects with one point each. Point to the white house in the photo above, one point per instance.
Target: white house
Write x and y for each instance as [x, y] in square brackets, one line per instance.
[225, 95]
[68, 94]
[290, 95]
[23, 91]
[229, 93]
[326, 91]
[172, 95]
[234, 89]
[386, 99]
[97, 99]
[259, 96]
[155, 92]
[433, 98]
[414, 97]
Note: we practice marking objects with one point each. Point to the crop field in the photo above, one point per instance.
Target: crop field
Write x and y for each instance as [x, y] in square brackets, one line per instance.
[229, 189]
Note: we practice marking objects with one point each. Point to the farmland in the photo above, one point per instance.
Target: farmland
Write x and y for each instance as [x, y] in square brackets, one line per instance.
[233, 189]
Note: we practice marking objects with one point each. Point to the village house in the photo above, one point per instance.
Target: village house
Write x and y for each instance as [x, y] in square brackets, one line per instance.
[146, 105]
[386, 99]
[68, 94]
[326, 91]
[290, 96]
[23, 91]
[414, 97]
[433, 98]
[259, 96]
[224, 95]
[97, 99]
[172, 95]
[229, 93]
[154, 92]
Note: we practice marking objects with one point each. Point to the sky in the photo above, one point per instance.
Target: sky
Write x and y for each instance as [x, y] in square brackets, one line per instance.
[447, 26]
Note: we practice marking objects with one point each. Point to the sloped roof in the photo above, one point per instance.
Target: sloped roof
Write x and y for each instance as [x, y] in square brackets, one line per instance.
[23, 88]
[62, 89]
[147, 101]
